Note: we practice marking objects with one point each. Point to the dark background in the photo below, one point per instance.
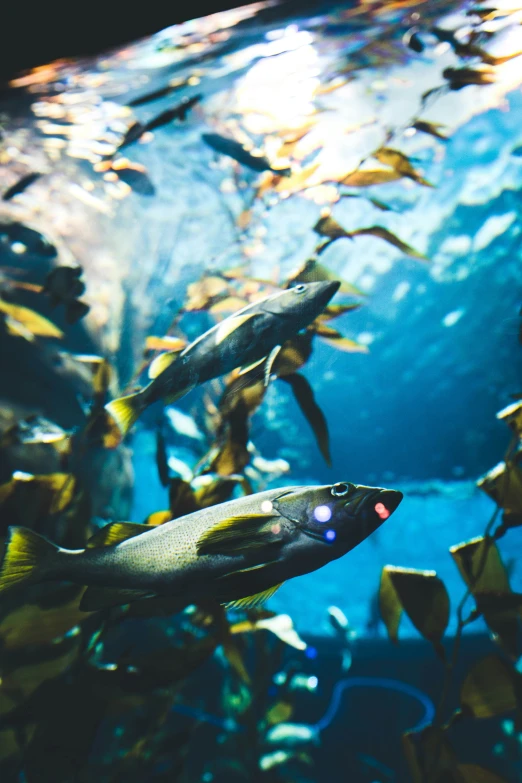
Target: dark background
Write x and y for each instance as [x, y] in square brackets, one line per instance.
[36, 32]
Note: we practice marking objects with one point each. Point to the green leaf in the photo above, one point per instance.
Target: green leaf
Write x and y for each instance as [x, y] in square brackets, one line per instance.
[421, 594]
[490, 688]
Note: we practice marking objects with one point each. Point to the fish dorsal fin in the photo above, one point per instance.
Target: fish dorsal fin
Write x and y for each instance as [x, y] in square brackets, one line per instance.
[161, 362]
[270, 362]
[251, 601]
[244, 370]
[116, 532]
[230, 325]
[96, 598]
[237, 535]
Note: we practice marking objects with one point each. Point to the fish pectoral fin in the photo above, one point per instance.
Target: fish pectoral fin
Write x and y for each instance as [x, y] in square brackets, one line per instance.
[229, 325]
[244, 370]
[238, 535]
[161, 362]
[270, 362]
[96, 598]
[116, 532]
[252, 601]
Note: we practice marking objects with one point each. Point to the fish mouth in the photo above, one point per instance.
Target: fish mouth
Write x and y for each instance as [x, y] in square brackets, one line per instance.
[325, 291]
[390, 499]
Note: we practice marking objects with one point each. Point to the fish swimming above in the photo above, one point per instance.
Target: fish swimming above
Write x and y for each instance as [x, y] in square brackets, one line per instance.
[238, 552]
[235, 150]
[244, 339]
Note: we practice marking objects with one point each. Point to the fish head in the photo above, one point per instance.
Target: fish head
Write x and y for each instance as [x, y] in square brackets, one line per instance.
[341, 515]
[301, 303]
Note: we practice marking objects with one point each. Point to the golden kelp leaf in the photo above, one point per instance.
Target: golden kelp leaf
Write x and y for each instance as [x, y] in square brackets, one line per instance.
[234, 657]
[244, 219]
[158, 518]
[297, 181]
[282, 626]
[512, 415]
[293, 355]
[305, 398]
[328, 227]
[231, 458]
[181, 498]
[33, 322]
[429, 752]
[31, 625]
[344, 343]
[201, 294]
[279, 712]
[431, 128]
[228, 305]
[165, 343]
[218, 489]
[366, 177]
[388, 236]
[135, 176]
[102, 378]
[489, 688]
[493, 584]
[470, 555]
[334, 311]
[398, 161]
[504, 485]
[461, 77]
[472, 773]
[313, 271]
[421, 594]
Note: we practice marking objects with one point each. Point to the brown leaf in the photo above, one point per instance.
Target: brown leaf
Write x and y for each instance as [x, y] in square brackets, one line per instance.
[421, 594]
[297, 181]
[430, 756]
[135, 176]
[398, 161]
[490, 688]
[493, 580]
[293, 355]
[35, 323]
[165, 343]
[202, 293]
[328, 227]
[344, 343]
[431, 128]
[504, 485]
[512, 415]
[181, 498]
[334, 311]
[472, 773]
[304, 395]
[312, 271]
[218, 489]
[228, 305]
[366, 177]
[388, 236]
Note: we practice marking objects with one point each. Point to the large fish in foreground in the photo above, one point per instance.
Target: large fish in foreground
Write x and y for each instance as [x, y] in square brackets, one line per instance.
[249, 336]
[237, 553]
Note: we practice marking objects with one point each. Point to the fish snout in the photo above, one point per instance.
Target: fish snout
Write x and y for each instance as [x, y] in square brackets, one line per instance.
[323, 291]
[386, 502]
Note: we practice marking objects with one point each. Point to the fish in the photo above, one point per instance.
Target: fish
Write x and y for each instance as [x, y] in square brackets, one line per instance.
[236, 150]
[174, 85]
[237, 553]
[21, 185]
[178, 112]
[249, 336]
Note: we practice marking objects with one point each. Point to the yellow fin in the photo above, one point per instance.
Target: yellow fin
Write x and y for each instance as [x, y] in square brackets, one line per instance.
[125, 411]
[113, 534]
[244, 370]
[237, 535]
[230, 325]
[161, 362]
[251, 601]
[25, 558]
[270, 363]
[96, 598]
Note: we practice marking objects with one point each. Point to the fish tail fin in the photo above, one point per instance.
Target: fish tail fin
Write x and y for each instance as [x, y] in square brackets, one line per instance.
[125, 411]
[27, 558]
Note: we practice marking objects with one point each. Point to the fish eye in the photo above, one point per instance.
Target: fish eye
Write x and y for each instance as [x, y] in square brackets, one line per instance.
[340, 490]
[300, 289]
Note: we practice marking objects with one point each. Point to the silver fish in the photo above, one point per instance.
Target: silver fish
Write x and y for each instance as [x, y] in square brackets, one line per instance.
[244, 339]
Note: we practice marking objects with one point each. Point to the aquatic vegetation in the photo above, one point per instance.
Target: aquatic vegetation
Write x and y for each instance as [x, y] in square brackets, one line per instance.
[271, 164]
